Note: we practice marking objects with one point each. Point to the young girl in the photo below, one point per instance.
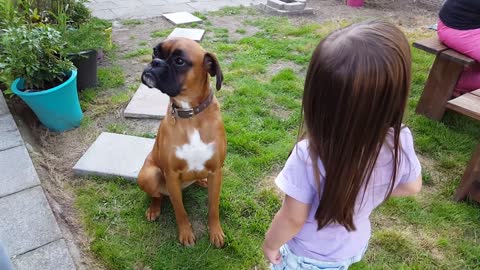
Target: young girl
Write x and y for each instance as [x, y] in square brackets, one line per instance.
[354, 154]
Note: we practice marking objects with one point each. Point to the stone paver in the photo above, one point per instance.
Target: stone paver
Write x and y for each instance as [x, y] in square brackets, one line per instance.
[3, 105]
[53, 256]
[17, 171]
[147, 103]
[195, 34]
[139, 9]
[9, 135]
[114, 155]
[181, 17]
[26, 221]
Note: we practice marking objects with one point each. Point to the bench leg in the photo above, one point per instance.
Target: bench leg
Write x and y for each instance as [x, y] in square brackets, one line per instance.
[439, 88]
[470, 184]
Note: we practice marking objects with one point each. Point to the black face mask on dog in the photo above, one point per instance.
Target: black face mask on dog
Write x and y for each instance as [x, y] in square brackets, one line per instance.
[165, 72]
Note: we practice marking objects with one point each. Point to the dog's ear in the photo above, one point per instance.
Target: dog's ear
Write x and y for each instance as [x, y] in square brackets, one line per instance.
[157, 51]
[211, 64]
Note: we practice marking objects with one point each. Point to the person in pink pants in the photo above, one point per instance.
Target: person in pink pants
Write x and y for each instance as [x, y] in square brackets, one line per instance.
[459, 29]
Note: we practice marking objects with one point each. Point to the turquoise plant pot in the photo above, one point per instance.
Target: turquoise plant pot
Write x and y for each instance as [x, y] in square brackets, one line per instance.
[57, 108]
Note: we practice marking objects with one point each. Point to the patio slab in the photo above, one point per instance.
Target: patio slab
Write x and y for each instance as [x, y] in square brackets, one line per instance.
[17, 171]
[181, 17]
[9, 135]
[3, 105]
[147, 103]
[53, 256]
[194, 34]
[27, 222]
[141, 9]
[115, 155]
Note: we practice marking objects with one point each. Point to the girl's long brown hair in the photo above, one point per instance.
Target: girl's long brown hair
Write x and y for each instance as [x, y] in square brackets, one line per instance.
[356, 89]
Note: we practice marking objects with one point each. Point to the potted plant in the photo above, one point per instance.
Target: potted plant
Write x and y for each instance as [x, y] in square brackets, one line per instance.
[46, 79]
[83, 45]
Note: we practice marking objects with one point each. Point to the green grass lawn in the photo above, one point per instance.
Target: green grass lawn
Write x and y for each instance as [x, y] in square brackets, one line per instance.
[261, 114]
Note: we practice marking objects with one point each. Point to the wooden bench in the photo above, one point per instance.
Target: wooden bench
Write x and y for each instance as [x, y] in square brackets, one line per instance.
[437, 97]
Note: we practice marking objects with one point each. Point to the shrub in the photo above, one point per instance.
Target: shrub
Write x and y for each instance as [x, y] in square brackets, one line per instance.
[36, 55]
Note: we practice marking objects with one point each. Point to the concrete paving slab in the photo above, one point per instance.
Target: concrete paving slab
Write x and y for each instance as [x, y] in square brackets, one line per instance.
[153, 11]
[9, 135]
[17, 171]
[26, 221]
[147, 103]
[3, 105]
[106, 14]
[53, 256]
[181, 18]
[140, 9]
[115, 155]
[213, 5]
[194, 34]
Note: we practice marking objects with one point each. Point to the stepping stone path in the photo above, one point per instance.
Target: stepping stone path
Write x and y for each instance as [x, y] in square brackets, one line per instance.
[287, 7]
[147, 103]
[181, 18]
[195, 34]
[115, 155]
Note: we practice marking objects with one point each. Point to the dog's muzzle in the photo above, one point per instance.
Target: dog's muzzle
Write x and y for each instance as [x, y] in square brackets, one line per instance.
[148, 79]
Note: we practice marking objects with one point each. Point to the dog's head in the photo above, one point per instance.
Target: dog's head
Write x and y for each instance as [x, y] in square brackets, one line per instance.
[181, 66]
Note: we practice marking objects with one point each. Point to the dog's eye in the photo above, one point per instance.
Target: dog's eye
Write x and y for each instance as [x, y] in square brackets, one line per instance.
[179, 61]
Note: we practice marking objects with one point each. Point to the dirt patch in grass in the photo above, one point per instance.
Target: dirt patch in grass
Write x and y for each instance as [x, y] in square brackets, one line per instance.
[273, 69]
[234, 25]
[403, 13]
[268, 183]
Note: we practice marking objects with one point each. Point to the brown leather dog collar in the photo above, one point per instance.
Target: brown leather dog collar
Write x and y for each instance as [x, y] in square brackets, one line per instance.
[189, 113]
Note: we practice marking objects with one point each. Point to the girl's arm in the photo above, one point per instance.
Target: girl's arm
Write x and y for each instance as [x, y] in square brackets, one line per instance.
[285, 225]
[409, 188]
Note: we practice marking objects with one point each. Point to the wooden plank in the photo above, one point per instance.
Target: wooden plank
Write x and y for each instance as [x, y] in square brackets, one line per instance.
[439, 87]
[467, 104]
[470, 184]
[458, 57]
[431, 45]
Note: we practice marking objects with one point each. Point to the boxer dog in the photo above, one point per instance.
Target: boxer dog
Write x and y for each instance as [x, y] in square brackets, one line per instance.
[190, 145]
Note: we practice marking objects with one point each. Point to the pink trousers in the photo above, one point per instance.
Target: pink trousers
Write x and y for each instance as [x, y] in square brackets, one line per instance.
[465, 42]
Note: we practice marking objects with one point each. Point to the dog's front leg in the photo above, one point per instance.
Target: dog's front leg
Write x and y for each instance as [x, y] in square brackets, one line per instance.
[215, 229]
[174, 187]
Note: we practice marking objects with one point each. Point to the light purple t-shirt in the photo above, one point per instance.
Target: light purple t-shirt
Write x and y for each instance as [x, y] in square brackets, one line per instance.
[333, 242]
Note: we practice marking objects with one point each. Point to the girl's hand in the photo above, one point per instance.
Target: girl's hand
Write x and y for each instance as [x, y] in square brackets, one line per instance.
[272, 255]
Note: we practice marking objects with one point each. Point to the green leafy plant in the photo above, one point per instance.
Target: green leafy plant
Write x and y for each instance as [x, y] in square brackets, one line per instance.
[75, 10]
[35, 55]
[18, 12]
[89, 36]
[8, 13]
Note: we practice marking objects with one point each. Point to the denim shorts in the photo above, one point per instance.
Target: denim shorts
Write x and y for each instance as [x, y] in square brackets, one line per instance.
[291, 261]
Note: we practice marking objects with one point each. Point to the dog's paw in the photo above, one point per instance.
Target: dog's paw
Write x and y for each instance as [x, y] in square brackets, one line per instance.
[203, 183]
[217, 236]
[186, 237]
[152, 213]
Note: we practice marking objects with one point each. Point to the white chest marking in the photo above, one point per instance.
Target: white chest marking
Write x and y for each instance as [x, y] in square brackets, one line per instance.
[196, 152]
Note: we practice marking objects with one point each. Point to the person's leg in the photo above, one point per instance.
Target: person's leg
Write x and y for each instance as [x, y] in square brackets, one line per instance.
[469, 80]
[465, 42]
